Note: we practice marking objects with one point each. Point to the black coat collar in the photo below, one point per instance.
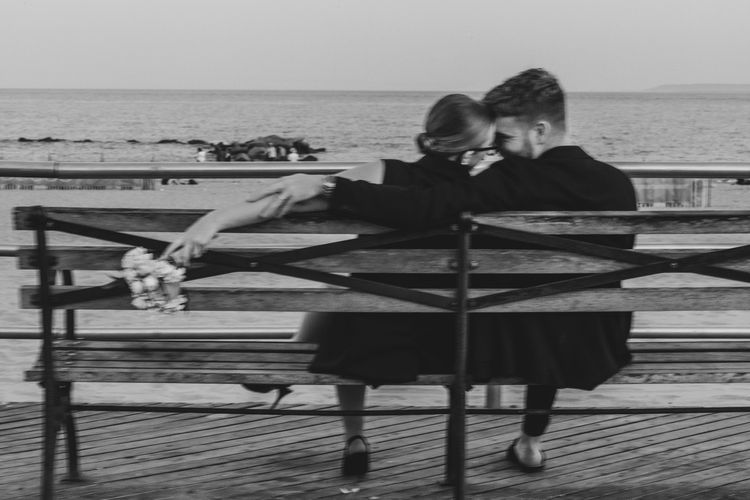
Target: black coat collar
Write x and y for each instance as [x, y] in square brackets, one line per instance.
[564, 153]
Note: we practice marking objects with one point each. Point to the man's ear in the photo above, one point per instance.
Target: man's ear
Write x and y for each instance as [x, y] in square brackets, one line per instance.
[541, 132]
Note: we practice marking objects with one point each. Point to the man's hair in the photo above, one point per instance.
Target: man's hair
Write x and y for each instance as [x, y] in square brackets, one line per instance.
[455, 123]
[529, 96]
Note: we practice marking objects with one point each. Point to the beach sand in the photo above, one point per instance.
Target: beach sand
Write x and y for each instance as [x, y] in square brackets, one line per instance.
[17, 355]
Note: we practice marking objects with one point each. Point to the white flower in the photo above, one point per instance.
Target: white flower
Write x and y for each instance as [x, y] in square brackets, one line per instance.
[175, 304]
[139, 302]
[175, 275]
[151, 283]
[136, 287]
[162, 268]
[145, 267]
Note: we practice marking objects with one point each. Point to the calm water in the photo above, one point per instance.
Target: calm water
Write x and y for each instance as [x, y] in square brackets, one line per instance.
[353, 126]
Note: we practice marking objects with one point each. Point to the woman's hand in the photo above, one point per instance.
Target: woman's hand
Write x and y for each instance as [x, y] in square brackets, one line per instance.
[192, 244]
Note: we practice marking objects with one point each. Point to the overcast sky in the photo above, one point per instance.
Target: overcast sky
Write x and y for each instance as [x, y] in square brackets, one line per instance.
[592, 45]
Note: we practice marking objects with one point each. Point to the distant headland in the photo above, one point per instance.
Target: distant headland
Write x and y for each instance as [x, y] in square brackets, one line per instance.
[705, 88]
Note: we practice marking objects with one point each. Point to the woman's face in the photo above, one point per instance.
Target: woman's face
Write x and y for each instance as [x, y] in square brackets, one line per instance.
[472, 157]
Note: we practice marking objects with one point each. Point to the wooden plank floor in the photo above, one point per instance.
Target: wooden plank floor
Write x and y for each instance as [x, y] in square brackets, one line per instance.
[128, 455]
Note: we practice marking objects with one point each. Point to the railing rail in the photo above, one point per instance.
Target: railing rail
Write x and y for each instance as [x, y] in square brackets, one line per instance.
[223, 170]
[154, 170]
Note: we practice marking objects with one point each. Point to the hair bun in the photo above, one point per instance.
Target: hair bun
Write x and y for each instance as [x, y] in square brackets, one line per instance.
[425, 142]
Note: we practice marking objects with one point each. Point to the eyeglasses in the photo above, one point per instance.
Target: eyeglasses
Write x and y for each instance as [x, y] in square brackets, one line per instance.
[471, 156]
[487, 150]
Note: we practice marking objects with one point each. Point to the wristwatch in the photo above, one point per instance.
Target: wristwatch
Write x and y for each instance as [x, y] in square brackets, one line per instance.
[329, 184]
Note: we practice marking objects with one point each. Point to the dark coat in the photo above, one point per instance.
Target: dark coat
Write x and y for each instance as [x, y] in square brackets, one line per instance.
[577, 350]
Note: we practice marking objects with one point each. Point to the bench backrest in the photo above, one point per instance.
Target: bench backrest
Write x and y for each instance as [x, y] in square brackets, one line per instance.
[603, 265]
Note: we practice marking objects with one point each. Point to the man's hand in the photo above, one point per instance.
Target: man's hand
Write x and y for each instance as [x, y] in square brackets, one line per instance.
[290, 190]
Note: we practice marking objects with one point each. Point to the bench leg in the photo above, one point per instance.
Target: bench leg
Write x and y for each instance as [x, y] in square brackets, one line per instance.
[450, 446]
[455, 456]
[71, 436]
[52, 420]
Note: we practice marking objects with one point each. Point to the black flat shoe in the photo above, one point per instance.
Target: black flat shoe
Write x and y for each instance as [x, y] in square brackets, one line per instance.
[511, 456]
[356, 464]
[266, 388]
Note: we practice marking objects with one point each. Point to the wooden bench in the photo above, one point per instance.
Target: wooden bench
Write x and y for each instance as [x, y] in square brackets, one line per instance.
[65, 359]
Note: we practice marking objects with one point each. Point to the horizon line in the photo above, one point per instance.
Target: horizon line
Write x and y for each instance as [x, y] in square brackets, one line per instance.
[136, 89]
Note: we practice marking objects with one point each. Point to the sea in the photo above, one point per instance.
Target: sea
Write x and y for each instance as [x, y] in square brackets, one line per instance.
[158, 125]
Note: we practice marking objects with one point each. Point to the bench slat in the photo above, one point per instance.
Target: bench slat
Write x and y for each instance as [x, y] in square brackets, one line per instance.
[717, 367]
[686, 346]
[636, 345]
[271, 357]
[611, 222]
[181, 356]
[509, 261]
[218, 366]
[178, 220]
[640, 375]
[336, 300]
[635, 374]
[697, 357]
[211, 377]
[187, 345]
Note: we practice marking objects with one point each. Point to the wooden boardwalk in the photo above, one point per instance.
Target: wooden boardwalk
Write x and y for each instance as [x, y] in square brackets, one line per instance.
[128, 455]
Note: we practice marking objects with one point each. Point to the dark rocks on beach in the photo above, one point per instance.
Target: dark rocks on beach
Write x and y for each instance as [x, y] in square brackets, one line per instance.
[45, 139]
[257, 149]
[265, 148]
[257, 153]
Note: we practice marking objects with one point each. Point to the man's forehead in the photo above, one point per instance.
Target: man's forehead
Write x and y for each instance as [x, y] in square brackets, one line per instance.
[507, 122]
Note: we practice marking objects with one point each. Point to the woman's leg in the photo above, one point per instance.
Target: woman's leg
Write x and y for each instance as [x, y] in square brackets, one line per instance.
[529, 445]
[351, 397]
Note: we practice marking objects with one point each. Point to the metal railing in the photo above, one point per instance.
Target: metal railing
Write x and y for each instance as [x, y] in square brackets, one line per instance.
[149, 170]
[224, 170]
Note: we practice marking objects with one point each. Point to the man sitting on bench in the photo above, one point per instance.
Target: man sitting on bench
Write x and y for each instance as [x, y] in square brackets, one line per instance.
[540, 170]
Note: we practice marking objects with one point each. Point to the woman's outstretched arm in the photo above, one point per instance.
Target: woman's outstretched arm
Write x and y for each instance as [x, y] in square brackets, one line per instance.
[192, 243]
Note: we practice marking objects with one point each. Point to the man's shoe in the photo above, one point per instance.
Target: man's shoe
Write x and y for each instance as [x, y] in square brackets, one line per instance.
[512, 457]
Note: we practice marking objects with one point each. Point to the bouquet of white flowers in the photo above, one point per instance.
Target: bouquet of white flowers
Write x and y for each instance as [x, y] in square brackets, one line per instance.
[154, 283]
